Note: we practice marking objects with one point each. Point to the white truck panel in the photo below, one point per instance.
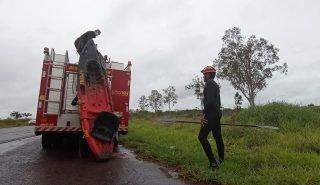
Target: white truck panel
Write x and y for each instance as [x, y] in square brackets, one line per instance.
[117, 65]
[57, 72]
[70, 92]
[53, 108]
[54, 96]
[55, 84]
[60, 58]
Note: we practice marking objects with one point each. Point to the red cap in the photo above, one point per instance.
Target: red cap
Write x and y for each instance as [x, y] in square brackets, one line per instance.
[208, 69]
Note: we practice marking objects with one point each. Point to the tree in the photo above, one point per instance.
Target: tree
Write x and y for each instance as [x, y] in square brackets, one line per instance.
[170, 96]
[155, 100]
[238, 100]
[16, 114]
[143, 103]
[247, 64]
[197, 86]
[26, 115]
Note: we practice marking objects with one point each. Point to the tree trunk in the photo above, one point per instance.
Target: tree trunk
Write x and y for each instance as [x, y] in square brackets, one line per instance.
[251, 101]
[202, 105]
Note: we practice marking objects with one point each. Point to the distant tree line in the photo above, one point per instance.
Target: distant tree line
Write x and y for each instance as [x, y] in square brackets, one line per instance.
[156, 100]
[20, 115]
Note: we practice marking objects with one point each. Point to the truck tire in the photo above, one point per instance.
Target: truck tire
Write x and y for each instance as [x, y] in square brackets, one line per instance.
[46, 141]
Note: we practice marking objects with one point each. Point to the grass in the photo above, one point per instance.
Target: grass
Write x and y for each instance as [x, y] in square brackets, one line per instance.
[4, 123]
[253, 156]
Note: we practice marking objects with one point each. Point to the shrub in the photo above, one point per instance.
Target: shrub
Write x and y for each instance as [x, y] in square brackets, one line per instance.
[278, 114]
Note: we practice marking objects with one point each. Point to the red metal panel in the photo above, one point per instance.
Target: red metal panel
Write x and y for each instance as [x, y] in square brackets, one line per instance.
[120, 95]
[47, 82]
[42, 118]
[42, 92]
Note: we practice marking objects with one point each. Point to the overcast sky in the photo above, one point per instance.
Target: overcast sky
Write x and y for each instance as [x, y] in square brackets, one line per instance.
[168, 43]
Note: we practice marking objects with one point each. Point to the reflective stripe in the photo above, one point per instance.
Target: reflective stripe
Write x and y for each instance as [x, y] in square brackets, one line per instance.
[57, 129]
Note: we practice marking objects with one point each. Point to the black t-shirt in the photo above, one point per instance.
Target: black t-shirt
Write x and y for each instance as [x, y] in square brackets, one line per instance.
[211, 99]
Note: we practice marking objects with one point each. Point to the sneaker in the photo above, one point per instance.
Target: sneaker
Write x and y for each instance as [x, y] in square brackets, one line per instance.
[220, 161]
[213, 166]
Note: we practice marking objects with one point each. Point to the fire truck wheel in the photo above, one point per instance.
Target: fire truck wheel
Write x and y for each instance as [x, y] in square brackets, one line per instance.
[84, 150]
[46, 141]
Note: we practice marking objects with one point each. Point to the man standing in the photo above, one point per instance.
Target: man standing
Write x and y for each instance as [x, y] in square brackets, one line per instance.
[80, 43]
[211, 117]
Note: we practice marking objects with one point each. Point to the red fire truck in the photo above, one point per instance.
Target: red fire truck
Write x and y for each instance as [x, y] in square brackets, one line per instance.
[57, 118]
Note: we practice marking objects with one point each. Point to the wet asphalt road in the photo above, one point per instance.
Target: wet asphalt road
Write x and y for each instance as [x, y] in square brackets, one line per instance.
[14, 133]
[22, 161]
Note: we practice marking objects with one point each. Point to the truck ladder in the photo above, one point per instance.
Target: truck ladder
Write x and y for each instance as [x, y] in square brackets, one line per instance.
[55, 83]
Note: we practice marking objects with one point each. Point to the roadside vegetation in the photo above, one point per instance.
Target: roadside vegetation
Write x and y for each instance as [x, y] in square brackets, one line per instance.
[4, 123]
[16, 119]
[290, 155]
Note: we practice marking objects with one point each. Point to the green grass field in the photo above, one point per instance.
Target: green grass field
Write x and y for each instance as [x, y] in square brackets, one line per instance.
[253, 156]
[13, 123]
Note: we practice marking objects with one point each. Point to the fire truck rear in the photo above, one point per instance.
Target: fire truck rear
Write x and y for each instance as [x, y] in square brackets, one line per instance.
[56, 118]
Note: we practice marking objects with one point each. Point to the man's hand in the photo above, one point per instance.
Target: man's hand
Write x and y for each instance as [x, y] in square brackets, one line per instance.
[203, 121]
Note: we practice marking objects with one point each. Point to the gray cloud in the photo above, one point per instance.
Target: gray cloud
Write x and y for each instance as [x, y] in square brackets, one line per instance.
[168, 42]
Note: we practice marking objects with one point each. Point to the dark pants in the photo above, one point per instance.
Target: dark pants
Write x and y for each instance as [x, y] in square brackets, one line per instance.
[214, 126]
